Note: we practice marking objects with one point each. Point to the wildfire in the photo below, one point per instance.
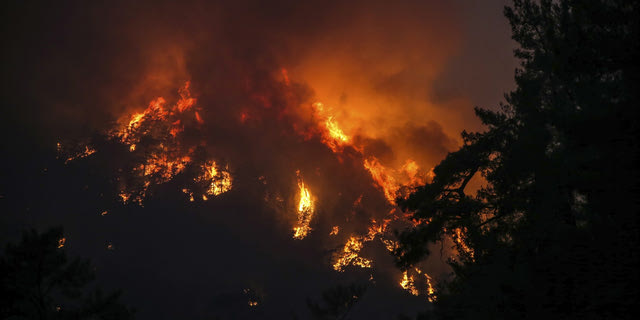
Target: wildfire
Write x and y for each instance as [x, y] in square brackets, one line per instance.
[350, 255]
[167, 155]
[431, 292]
[70, 155]
[458, 238]
[332, 134]
[220, 179]
[392, 181]
[155, 136]
[305, 211]
[408, 283]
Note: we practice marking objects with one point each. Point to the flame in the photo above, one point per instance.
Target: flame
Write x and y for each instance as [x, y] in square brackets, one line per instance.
[431, 292]
[408, 283]
[350, 255]
[71, 155]
[166, 156]
[458, 238]
[331, 133]
[390, 245]
[305, 210]
[186, 102]
[221, 181]
[391, 181]
[61, 242]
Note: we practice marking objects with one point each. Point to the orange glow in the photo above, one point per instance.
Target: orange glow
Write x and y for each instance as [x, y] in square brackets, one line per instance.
[459, 239]
[156, 136]
[61, 242]
[383, 178]
[431, 292]
[186, 102]
[221, 181]
[332, 134]
[198, 118]
[285, 75]
[408, 283]
[350, 255]
[70, 155]
[166, 156]
[392, 182]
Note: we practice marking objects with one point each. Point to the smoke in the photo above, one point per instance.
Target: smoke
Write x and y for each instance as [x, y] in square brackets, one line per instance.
[256, 68]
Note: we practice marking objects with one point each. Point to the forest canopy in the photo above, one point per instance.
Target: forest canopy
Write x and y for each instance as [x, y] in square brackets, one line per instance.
[553, 233]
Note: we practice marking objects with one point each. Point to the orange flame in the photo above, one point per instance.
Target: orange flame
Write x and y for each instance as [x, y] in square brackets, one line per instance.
[332, 134]
[61, 242]
[408, 283]
[350, 255]
[305, 210]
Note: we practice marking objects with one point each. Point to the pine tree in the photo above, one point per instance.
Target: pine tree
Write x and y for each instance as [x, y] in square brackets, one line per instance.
[554, 232]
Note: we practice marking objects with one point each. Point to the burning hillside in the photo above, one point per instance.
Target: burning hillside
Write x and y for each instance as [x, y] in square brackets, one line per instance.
[168, 140]
[272, 134]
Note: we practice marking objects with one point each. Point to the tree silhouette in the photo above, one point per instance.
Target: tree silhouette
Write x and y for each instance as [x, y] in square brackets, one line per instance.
[554, 232]
[40, 282]
[338, 302]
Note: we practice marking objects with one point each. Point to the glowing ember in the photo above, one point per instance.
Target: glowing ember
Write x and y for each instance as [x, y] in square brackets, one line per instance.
[334, 230]
[431, 292]
[61, 242]
[409, 284]
[305, 211]
[71, 155]
[220, 179]
[350, 255]
[459, 239]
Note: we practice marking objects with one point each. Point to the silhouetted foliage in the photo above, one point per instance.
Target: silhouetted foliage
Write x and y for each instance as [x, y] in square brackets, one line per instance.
[338, 301]
[40, 282]
[554, 232]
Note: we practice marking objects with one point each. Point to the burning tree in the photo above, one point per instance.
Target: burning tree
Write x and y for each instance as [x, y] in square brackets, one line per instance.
[553, 233]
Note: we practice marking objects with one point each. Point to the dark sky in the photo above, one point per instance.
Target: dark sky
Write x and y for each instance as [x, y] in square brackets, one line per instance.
[401, 79]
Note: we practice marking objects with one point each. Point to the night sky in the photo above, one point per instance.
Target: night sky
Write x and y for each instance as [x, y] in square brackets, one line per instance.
[400, 79]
